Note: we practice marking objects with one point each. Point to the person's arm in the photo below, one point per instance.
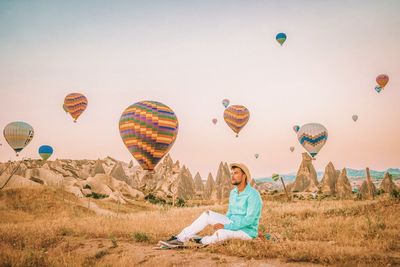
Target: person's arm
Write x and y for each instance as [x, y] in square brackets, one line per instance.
[229, 212]
[253, 210]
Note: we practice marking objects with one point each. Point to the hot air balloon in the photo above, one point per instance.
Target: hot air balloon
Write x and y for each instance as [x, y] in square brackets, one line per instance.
[148, 129]
[296, 128]
[312, 137]
[355, 118]
[225, 102]
[292, 148]
[45, 151]
[18, 134]
[378, 89]
[65, 108]
[382, 80]
[281, 38]
[75, 104]
[214, 121]
[236, 117]
[256, 156]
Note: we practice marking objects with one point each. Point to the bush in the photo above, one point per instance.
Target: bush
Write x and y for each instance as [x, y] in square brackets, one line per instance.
[140, 237]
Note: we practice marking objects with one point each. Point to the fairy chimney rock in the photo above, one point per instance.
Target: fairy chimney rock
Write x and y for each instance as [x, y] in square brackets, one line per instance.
[368, 189]
[306, 179]
[343, 186]
[387, 184]
[328, 182]
[98, 168]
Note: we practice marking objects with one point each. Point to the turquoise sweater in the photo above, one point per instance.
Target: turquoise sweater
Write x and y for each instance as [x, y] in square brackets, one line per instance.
[244, 211]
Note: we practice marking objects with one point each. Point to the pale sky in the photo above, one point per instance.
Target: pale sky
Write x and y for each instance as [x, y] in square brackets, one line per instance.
[190, 55]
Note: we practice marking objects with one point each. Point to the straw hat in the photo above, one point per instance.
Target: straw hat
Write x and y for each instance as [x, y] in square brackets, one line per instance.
[243, 168]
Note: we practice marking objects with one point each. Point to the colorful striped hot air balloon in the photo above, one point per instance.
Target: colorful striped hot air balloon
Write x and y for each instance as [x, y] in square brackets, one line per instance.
[382, 80]
[236, 117]
[18, 134]
[148, 129]
[75, 104]
[225, 103]
[312, 137]
[45, 151]
[281, 38]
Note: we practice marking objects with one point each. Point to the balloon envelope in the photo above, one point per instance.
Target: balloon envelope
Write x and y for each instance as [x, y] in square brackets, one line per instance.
[148, 129]
[378, 89]
[312, 137]
[236, 117]
[225, 102]
[18, 134]
[65, 108]
[45, 151]
[296, 128]
[256, 156]
[214, 121]
[75, 104]
[281, 38]
[292, 148]
[354, 117]
[382, 80]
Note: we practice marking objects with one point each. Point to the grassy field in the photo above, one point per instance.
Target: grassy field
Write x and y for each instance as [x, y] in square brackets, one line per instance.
[43, 227]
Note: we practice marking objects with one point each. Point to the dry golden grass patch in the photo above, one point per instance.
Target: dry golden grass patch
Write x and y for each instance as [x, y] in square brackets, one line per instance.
[40, 227]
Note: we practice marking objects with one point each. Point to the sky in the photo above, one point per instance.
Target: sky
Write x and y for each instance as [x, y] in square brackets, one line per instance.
[190, 55]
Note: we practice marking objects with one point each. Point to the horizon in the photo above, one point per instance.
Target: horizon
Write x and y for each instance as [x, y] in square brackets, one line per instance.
[191, 56]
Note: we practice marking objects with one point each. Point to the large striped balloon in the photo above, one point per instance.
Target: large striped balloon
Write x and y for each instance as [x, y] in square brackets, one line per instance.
[45, 151]
[312, 137]
[148, 129]
[18, 134]
[236, 117]
[75, 104]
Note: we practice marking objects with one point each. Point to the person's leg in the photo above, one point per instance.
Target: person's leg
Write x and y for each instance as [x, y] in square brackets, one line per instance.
[205, 219]
[223, 234]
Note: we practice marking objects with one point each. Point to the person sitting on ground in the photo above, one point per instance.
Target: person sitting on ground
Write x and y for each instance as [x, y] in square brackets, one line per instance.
[241, 220]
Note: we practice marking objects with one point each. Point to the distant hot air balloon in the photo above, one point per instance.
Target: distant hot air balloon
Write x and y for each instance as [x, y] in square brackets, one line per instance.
[281, 38]
[312, 137]
[45, 151]
[292, 148]
[296, 128]
[355, 118]
[236, 117]
[225, 102]
[382, 80]
[148, 129]
[256, 156]
[75, 104]
[214, 121]
[18, 134]
[65, 108]
[378, 89]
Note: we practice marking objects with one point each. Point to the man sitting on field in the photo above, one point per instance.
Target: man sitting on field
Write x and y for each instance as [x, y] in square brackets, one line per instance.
[240, 222]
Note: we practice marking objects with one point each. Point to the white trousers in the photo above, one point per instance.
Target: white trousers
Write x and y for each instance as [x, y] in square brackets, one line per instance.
[211, 218]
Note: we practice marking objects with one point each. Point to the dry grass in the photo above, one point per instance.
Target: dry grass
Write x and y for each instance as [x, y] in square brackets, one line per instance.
[39, 228]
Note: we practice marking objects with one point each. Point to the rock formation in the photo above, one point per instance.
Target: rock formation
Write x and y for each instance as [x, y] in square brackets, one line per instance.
[306, 178]
[343, 186]
[98, 168]
[328, 182]
[209, 187]
[387, 184]
[198, 185]
[368, 189]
